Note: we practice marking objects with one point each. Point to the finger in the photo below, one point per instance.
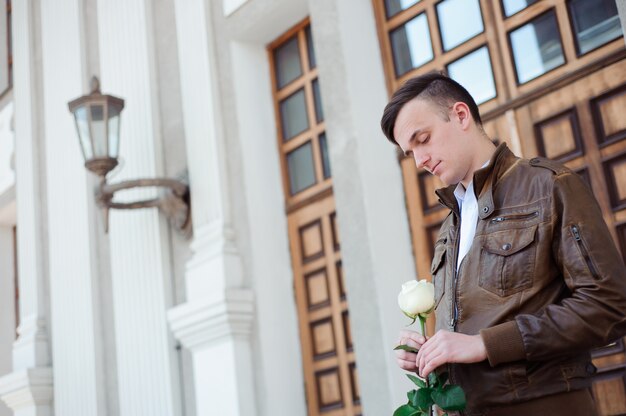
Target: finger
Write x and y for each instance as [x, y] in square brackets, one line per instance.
[405, 355]
[412, 335]
[432, 348]
[406, 365]
[424, 352]
[432, 364]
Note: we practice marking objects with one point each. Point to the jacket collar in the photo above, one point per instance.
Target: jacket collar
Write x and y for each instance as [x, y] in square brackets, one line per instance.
[484, 180]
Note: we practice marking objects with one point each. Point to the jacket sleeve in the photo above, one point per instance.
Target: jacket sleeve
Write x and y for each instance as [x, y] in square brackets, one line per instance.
[593, 314]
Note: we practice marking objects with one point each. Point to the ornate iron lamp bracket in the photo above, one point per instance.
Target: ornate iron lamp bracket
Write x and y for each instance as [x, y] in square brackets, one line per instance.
[174, 202]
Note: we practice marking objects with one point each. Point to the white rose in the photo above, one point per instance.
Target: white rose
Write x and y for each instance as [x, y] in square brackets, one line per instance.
[417, 297]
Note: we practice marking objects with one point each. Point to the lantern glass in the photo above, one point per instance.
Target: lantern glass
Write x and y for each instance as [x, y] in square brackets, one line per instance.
[82, 127]
[114, 129]
[99, 130]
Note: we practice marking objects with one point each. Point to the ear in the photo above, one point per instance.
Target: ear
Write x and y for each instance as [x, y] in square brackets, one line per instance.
[462, 114]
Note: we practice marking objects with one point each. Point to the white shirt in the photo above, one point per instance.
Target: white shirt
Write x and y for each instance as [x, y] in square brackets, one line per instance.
[466, 199]
[468, 204]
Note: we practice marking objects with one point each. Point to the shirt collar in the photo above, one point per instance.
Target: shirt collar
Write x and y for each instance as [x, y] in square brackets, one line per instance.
[460, 191]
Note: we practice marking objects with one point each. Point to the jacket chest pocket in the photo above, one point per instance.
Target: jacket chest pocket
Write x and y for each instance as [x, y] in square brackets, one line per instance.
[507, 261]
[438, 270]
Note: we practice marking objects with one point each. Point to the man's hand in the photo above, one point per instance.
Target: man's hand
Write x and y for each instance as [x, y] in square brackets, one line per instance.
[448, 347]
[408, 360]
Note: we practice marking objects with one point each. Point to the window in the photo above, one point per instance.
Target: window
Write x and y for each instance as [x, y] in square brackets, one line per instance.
[411, 45]
[474, 72]
[440, 35]
[293, 114]
[513, 6]
[287, 59]
[396, 6]
[459, 20]
[300, 115]
[594, 22]
[537, 47]
[300, 168]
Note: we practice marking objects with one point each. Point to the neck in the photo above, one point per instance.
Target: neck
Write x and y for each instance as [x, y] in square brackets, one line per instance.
[482, 152]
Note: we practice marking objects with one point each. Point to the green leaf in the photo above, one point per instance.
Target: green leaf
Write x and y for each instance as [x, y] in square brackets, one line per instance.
[423, 399]
[406, 410]
[414, 318]
[443, 378]
[433, 380]
[450, 398]
[406, 348]
[417, 380]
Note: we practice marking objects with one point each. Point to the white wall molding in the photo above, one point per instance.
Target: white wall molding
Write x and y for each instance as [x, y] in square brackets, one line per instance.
[26, 389]
[201, 324]
[7, 304]
[32, 340]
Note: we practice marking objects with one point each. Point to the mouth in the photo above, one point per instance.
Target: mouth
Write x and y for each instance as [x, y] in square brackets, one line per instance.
[434, 169]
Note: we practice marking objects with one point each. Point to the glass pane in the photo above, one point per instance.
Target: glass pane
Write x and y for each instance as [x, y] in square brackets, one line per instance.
[310, 48]
[114, 130]
[396, 6]
[411, 45]
[293, 115]
[98, 131]
[473, 71]
[319, 112]
[301, 169]
[596, 22]
[536, 47]
[82, 126]
[287, 61]
[324, 150]
[459, 20]
[513, 6]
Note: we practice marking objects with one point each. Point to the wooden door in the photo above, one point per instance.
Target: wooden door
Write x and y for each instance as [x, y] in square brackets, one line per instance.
[550, 77]
[582, 125]
[328, 361]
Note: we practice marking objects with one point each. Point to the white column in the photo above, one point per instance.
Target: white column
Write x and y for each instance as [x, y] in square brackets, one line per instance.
[80, 317]
[215, 321]
[147, 364]
[27, 390]
[373, 224]
[7, 303]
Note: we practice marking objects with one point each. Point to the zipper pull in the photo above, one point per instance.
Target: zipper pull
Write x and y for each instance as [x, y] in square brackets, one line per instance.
[498, 219]
[576, 233]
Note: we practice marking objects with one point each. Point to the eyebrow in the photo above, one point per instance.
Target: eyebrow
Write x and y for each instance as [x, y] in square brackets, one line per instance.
[413, 137]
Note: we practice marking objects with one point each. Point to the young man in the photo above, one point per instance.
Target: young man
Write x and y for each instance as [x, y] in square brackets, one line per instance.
[527, 277]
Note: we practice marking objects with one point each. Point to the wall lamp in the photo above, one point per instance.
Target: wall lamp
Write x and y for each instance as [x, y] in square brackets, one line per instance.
[97, 119]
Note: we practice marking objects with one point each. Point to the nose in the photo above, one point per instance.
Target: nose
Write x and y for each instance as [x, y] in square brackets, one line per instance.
[420, 160]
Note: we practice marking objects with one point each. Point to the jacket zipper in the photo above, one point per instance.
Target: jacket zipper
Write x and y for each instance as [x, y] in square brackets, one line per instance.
[516, 217]
[583, 251]
[455, 309]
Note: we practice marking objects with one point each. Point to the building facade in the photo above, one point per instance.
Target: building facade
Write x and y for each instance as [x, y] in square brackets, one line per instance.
[305, 221]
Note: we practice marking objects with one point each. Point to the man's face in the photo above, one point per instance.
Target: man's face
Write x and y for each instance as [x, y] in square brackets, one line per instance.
[439, 146]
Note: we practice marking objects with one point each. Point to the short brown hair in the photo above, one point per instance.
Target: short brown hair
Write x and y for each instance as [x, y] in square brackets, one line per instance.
[438, 88]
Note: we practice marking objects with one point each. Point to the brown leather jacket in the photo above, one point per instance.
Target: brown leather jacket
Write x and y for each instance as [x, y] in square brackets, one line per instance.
[543, 282]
